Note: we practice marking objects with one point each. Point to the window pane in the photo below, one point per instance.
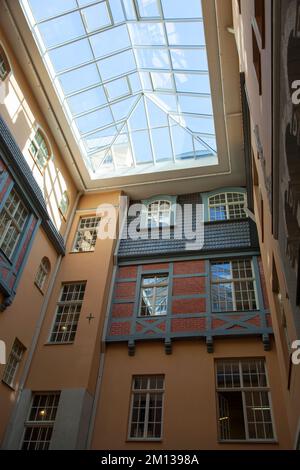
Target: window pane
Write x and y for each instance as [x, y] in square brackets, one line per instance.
[62, 29]
[183, 34]
[179, 9]
[96, 17]
[110, 41]
[147, 34]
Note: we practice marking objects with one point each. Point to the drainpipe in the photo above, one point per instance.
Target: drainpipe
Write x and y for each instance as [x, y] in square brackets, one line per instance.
[38, 326]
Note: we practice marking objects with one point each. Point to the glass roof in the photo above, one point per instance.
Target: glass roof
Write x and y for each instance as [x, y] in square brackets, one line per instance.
[132, 77]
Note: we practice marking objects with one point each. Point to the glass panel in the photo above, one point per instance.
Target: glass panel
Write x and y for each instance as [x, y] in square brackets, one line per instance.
[201, 149]
[100, 139]
[55, 7]
[200, 124]
[195, 104]
[135, 82]
[117, 10]
[118, 64]
[152, 58]
[162, 143]
[183, 34]
[162, 81]
[141, 146]
[192, 83]
[182, 141]
[148, 8]
[157, 117]
[117, 88]
[122, 151]
[147, 34]
[138, 118]
[71, 55]
[189, 59]
[87, 100]
[80, 78]
[96, 17]
[94, 120]
[180, 9]
[62, 29]
[110, 41]
[122, 109]
[129, 9]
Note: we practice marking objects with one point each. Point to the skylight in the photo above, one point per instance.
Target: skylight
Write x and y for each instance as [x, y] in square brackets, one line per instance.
[132, 77]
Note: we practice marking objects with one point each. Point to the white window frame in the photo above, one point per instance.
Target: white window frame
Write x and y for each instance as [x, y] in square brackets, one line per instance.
[243, 390]
[64, 200]
[232, 282]
[71, 316]
[42, 273]
[43, 423]
[147, 391]
[12, 222]
[36, 149]
[154, 287]
[80, 233]
[15, 357]
[150, 213]
[227, 205]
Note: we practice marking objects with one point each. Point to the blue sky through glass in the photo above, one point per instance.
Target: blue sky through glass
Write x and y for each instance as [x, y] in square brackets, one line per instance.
[132, 76]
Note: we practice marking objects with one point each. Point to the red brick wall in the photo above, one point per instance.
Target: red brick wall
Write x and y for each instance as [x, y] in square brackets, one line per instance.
[188, 306]
[122, 310]
[189, 267]
[125, 290]
[187, 324]
[189, 285]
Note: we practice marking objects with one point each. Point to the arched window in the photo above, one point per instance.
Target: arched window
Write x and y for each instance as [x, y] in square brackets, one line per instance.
[64, 203]
[4, 65]
[42, 273]
[226, 206]
[40, 150]
[159, 213]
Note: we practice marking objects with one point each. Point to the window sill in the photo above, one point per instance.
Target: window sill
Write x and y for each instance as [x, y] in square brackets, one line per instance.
[144, 439]
[11, 387]
[151, 316]
[38, 288]
[72, 252]
[49, 343]
[248, 441]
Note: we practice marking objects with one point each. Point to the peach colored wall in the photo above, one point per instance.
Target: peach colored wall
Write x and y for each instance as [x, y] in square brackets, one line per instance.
[261, 115]
[19, 320]
[190, 408]
[58, 366]
[21, 112]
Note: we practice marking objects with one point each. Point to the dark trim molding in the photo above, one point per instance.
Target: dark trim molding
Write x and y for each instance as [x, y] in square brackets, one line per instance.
[25, 181]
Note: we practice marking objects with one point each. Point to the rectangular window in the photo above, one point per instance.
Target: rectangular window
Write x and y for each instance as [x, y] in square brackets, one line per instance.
[146, 407]
[40, 422]
[154, 295]
[256, 59]
[13, 362]
[233, 286]
[243, 400]
[12, 221]
[86, 236]
[68, 312]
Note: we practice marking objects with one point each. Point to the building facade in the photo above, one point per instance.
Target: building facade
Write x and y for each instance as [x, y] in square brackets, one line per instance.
[170, 333]
[271, 57]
